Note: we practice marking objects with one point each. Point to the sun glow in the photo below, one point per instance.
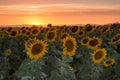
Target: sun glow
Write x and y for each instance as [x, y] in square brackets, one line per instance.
[35, 23]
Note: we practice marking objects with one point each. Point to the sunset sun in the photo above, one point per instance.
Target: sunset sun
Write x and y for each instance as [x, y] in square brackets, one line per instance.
[35, 23]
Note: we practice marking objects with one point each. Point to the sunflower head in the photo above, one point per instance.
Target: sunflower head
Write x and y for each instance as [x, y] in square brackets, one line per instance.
[35, 31]
[28, 33]
[74, 29]
[89, 28]
[8, 30]
[115, 39]
[85, 41]
[2, 29]
[94, 43]
[13, 33]
[81, 33]
[99, 55]
[70, 46]
[108, 62]
[105, 29]
[23, 31]
[51, 36]
[8, 52]
[36, 48]
[2, 35]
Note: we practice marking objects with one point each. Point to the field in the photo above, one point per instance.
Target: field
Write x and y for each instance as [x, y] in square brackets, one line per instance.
[90, 52]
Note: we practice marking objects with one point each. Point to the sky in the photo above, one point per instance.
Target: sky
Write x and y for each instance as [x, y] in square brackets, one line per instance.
[59, 12]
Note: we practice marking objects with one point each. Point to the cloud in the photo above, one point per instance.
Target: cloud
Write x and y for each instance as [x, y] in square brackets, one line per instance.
[58, 8]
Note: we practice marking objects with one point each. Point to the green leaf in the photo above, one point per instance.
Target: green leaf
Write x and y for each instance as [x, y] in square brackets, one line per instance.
[55, 75]
[68, 59]
[31, 68]
[69, 74]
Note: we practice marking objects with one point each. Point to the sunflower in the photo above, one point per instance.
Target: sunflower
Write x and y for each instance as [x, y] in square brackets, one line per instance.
[105, 29]
[35, 31]
[8, 30]
[94, 43]
[85, 41]
[23, 32]
[74, 29]
[70, 46]
[29, 42]
[89, 28]
[2, 35]
[108, 62]
[8, 52]
[36, 49]
[51, 36]
[63, 36]
[13, 33]
[28, 33]
[115, 39]
[99, 55]
[2, 29]
[52, 28]
[81, 33]
[43, 31]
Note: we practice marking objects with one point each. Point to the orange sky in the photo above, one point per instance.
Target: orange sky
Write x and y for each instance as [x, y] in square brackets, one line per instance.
[55, 12]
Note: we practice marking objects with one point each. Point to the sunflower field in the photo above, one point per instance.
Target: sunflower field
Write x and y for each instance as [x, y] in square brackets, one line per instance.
[89, 52]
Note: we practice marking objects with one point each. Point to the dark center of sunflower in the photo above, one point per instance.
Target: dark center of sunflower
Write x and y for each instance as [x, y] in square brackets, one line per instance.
[2, 29]
[93, 42]
[35, 31]
[74, 29]
[42, 31]
[69, 45]
[23, 31]
[28, 33]
[85, 40]
[1, 35]
[80, 33]
[13, 33]
[116, 38]
[9, 29]
[98, 55]
[89, 28]
[108, 62]
[36, 49]
[51, 35]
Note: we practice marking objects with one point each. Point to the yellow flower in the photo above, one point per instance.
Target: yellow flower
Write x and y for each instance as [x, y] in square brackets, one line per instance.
[8, 52]
[74, 29]
[8, 30]
[63, 36]
[51, 36]
[108, 62]
[35, 31]
[23, 31]
[94, 43]
[70, 46]
[2, 35]
[85, 41]
[28, 33]
[89, 28]
[81, 33]
[13, 33]
[105, 29]
[99, 55]
[36, 48]
[115, 39]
